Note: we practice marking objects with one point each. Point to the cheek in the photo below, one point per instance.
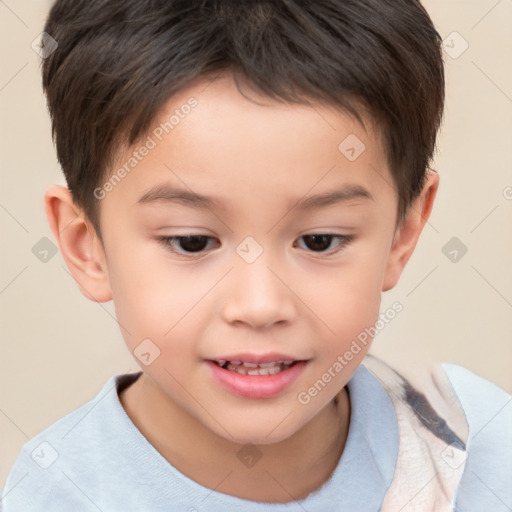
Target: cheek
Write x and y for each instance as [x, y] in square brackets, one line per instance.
[355, 308]
[350, 298]
[152, 297]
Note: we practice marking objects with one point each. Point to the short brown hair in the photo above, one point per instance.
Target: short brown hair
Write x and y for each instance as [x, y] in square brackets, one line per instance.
[119, 61]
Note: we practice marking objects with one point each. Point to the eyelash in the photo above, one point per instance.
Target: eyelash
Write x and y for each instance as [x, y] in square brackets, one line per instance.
[169, 243]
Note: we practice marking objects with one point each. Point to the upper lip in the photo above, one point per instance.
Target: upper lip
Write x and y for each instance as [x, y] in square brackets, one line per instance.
[258, 358]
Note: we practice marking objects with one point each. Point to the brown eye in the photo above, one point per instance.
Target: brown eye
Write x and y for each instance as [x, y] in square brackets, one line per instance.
[322, 242]
[190, 244]
[318, 242]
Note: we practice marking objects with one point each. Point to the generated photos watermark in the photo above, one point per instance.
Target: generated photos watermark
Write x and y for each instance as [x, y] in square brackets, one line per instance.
[362, 340]
[150, 143]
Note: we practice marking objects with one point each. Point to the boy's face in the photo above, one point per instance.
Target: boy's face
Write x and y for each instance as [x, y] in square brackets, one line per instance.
[259, 286]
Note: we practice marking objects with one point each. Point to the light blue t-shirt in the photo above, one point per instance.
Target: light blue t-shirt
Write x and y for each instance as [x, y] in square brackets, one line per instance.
[95, 459]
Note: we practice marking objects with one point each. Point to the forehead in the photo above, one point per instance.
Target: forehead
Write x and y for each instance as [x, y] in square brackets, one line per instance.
[210, 141]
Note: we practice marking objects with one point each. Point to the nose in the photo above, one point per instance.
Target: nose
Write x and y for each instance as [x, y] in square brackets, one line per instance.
[258, 296]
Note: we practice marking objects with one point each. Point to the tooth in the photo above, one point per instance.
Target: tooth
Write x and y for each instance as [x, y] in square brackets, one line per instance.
[221, 362]
[267, 365]
[251, 365]
[236, 362]
[287, 362]
[242, 369]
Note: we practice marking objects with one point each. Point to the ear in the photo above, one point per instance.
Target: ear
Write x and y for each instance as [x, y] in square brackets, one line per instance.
[408, 233]
[79, 244]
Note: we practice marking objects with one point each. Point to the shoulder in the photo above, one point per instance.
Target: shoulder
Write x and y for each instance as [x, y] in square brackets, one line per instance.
[488, 471]
[49, 464]
[453, 391]
[457, 422]
[471, 389]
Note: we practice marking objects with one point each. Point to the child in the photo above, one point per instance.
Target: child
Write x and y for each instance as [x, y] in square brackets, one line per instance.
[244, 179]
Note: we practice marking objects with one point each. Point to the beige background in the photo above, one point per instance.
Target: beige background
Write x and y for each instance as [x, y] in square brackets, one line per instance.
[58, 348]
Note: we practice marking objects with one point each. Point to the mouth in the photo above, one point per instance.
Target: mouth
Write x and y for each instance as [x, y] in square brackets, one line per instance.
[253, 376]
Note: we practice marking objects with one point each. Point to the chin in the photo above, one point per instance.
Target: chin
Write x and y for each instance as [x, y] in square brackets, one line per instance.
[258, 434]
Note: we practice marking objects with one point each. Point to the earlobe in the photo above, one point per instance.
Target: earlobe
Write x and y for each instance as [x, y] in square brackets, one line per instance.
[79, 244]
[408, 233]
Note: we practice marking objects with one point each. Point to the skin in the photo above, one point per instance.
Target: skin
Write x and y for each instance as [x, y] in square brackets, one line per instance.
[257, 159]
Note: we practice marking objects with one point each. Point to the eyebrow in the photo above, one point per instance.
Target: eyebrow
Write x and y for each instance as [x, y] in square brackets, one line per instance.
[168, 194]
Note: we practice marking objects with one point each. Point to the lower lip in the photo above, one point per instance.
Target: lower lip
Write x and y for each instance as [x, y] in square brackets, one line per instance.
[256, 386]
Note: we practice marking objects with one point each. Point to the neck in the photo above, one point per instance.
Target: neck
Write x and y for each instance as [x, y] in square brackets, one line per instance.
[278, 473]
